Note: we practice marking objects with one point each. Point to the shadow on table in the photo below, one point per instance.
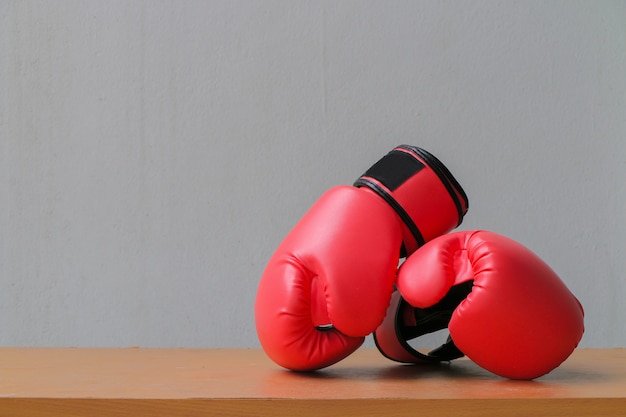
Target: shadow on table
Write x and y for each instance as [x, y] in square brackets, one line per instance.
[450, 379]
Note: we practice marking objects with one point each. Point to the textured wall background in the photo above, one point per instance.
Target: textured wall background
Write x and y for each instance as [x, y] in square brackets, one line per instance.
[154, 153]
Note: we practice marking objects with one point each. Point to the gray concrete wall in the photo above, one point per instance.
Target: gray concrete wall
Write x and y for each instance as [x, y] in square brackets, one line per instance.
[153, 154]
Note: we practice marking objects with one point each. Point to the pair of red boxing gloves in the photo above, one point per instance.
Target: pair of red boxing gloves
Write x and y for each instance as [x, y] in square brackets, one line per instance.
[335, 279]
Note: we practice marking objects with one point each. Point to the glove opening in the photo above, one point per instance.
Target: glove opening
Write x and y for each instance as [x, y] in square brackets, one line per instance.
[412, 323]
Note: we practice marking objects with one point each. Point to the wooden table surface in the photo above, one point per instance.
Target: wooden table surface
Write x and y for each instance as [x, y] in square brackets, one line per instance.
[240, 382]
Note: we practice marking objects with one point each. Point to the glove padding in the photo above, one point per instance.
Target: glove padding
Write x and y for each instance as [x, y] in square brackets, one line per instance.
[504, 307]
[329, 282]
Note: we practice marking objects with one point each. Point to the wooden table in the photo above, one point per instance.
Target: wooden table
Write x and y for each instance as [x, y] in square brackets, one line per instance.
[243, 382]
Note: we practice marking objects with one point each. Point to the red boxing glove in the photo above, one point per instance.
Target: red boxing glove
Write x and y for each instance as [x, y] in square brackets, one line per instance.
[329, 282]
[504, 307]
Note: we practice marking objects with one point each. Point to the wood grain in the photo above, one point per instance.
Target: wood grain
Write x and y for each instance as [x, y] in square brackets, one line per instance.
[243, 382]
